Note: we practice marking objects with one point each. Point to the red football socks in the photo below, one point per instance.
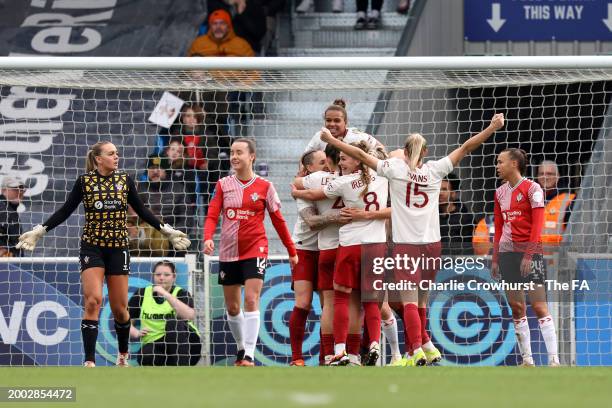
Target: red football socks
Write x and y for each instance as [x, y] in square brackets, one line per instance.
[297, 325]
[412, 323]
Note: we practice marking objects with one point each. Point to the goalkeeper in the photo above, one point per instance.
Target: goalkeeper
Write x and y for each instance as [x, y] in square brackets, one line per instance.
[105, 193]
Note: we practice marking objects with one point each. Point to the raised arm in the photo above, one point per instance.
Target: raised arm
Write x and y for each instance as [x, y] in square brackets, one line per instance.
[497, 122]
[355, 152]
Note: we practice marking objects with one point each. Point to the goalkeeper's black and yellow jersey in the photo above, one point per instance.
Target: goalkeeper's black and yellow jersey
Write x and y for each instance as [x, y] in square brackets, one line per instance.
[106, 200]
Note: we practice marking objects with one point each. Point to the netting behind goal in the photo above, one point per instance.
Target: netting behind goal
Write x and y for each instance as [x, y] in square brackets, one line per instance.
[49, 117]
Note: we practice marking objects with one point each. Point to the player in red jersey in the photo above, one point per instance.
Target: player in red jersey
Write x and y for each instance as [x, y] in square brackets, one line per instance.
[358, 188]
[243, 248]
[415, 186]
[517, 254]
[304, 275]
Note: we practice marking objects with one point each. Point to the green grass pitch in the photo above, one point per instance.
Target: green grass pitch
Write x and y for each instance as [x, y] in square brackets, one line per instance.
[372, 387]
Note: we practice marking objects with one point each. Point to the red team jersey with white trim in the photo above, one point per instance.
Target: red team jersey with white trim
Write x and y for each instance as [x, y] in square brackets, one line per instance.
[243, 234]
[415, 198]
[328, 236]
[514, 206]
[349, 188]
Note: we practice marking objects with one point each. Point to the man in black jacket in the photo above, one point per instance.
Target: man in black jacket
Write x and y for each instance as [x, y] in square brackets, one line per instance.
[11, 195]
[456, 223]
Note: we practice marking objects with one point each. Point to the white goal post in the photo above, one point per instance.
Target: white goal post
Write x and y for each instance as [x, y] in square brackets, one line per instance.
[557, 109]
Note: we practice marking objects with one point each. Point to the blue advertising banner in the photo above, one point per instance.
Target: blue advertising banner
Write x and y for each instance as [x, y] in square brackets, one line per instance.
[537, 20]
[471, 328]
[593, 313]
[41, 312]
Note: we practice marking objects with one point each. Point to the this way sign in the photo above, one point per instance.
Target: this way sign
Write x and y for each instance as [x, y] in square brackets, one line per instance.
[538, 20]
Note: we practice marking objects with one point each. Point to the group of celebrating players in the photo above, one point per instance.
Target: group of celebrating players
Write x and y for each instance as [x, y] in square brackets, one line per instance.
[342, 192]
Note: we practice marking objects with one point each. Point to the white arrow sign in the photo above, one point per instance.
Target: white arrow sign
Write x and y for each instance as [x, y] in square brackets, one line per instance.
[496, 22]
[608, 21]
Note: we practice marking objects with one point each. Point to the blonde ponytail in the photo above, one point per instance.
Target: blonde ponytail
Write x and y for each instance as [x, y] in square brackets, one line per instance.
[415, 149]
[90, 160]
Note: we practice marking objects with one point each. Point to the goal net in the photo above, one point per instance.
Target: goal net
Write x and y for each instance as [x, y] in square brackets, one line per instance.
[173, 121]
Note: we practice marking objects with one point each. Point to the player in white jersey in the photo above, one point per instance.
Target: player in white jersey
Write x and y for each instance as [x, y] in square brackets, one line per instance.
[358, 188]
[327, 220]
[415, 188]
[304, 274]
[336, 120]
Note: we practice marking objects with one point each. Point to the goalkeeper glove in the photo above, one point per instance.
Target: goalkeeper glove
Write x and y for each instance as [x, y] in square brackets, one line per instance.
[28, 240]
[177, 238]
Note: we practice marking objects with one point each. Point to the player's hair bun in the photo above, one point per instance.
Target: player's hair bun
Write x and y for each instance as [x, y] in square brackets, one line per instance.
[339, 102]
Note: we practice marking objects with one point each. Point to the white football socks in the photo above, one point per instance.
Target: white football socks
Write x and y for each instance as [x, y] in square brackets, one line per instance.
[549, 334]
[339, 348]
[251, 332]
[523, 338]
[389, 328]
[236, 324]
[429, 346]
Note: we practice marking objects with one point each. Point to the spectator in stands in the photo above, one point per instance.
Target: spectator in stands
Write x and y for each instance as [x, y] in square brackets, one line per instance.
[371, 21]
[456, 223]
[190, 128]
[221, 40]
[558, 204]
[272, 9]
[205, 152]
[11, 196]
[166, 313]
[166, 197]
[308, 6]
[403, 6]
[180, 172]
[484, 232]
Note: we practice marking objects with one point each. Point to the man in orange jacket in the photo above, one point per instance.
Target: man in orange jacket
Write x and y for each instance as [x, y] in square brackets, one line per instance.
[556, 213]
[220, 40]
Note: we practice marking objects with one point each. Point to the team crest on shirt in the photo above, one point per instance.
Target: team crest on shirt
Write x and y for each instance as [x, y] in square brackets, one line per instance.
[538, 197]
[119, 186]
[254, 196]
[519, 197]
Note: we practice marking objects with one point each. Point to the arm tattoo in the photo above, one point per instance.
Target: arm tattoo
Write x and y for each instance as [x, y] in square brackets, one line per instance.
[316, 221]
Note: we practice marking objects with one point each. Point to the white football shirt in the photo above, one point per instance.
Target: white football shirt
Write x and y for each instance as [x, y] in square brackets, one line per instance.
[303, 236]
[349, 188]
[328, 236]
[414, 199]
[353, 135]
